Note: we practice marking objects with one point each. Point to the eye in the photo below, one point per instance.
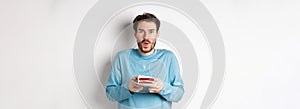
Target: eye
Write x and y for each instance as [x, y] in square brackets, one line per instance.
[152, 31]
[140, 31]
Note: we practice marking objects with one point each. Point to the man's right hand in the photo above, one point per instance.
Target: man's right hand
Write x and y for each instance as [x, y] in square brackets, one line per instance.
[133, 86]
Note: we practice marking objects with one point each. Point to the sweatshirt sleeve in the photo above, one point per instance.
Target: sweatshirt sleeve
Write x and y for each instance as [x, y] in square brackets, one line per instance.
[173, 88]
[115, 91]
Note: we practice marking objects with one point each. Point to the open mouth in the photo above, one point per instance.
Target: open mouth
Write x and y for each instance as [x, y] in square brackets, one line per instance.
[146, 42]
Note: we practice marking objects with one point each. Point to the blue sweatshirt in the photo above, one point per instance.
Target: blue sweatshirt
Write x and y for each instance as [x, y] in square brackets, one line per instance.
[161, 64]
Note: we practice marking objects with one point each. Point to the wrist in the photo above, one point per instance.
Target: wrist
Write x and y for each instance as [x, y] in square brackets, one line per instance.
[131, 92]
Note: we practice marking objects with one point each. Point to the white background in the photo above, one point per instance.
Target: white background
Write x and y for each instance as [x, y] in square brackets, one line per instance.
[261, 40]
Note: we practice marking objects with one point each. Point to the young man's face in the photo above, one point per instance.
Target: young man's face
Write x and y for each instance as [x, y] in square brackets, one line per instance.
[146, 35]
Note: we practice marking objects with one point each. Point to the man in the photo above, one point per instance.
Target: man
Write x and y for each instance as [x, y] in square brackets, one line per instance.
[161, 64]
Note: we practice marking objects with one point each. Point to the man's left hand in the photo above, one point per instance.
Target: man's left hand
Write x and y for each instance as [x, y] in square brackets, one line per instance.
[157, 87]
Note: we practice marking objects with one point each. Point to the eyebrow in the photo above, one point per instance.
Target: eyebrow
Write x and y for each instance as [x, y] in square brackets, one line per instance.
[147, 29]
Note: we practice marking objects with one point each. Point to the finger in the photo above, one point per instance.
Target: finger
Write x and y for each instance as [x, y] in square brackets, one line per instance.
[157, 85]
[135, 89]
[134, 78]
[155, 79]
[152, 90]
[137, 86]
[152, 87]
[138, 89]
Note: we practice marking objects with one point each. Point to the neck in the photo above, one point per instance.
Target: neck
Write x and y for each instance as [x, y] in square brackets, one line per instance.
[146, 54]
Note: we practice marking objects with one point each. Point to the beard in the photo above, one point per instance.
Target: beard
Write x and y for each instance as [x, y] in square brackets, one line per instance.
[152, 45]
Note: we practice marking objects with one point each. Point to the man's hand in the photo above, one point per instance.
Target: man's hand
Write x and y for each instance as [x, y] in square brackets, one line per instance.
[157, 87]
[133, 87]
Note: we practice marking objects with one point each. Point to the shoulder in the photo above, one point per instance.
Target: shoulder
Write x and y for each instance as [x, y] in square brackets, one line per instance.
[124, 53]
[165, 52]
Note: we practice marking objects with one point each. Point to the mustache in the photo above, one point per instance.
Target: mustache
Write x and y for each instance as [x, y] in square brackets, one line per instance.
[145, 40]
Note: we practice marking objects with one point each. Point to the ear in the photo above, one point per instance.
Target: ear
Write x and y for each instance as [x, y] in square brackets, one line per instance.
[134, 33]
[157, 34]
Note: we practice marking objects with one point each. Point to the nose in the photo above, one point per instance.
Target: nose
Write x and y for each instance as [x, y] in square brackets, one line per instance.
[146, 35]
